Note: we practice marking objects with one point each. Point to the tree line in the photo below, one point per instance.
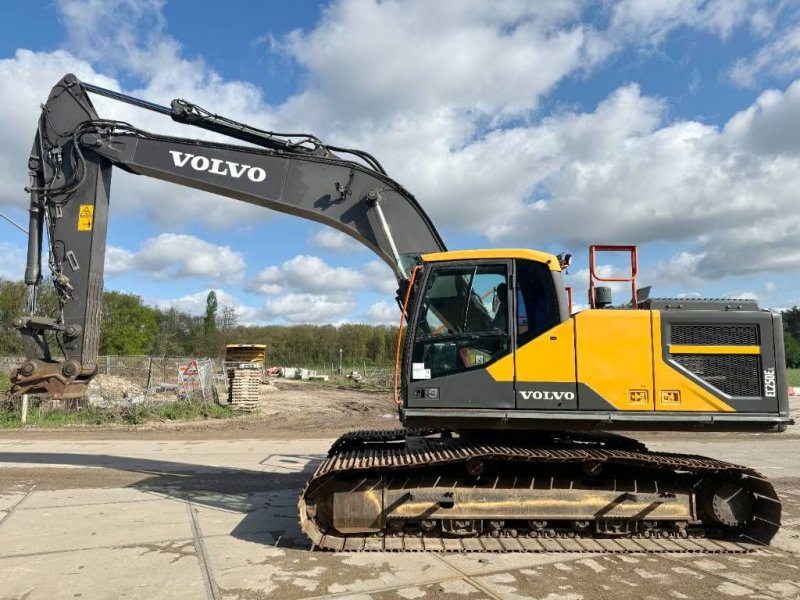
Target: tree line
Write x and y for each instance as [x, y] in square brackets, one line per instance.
[130, 327]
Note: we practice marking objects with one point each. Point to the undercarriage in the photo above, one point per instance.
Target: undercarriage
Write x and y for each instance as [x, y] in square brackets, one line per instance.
[423, 490]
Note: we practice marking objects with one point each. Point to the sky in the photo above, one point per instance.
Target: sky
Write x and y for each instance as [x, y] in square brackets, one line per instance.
[670, 124]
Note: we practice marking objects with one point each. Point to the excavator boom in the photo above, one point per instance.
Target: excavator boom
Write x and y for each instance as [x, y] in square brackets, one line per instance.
[70, 167]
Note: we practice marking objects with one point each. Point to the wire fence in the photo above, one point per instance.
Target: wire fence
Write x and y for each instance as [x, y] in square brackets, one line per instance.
[381, 376]
[153, 372]
[190, 377]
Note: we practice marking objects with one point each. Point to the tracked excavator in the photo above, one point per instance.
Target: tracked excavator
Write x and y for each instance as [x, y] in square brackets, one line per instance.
[510, 404]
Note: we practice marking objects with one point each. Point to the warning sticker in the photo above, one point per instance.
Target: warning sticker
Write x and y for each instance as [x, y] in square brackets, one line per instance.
[86, 217]
[191, 369]
[419, 371]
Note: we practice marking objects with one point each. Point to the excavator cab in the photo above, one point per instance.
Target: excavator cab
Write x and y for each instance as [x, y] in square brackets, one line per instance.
[472, 312]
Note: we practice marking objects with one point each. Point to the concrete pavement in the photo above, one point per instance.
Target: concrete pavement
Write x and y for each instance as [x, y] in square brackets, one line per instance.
[217, 519]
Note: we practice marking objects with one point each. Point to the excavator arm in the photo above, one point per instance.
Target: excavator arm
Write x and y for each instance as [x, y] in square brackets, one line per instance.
[70, 169]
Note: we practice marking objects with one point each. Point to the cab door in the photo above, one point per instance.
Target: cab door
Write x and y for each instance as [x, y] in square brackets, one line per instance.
[544, 361]
[461, 328]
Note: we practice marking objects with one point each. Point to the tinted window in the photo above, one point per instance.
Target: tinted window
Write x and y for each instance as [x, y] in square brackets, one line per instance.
[537, 305]
[463, 321]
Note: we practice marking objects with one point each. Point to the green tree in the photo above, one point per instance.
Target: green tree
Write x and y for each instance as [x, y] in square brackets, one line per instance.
[127, 326]
[791, 321]
[210, 320]
[13, 303]
[210, 334]
[179, 334]
[792, 346]
[227, 326]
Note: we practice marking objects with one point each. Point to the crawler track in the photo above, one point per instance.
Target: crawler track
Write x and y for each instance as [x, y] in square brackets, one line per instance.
[403, 462]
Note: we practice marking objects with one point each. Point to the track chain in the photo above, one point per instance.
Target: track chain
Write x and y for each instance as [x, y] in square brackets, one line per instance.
[387, 451]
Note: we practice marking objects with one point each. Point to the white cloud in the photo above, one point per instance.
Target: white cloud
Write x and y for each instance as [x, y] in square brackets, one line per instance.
[334, 240]
[129, 36]
[379, 277]
[680, 270]
[171, 255]
[309, 308]
[13, 264]
[311, 274]
[307, 274]
[383, 313]
[651, 21]
[779, 57]
[195, 304]
[421, 56]
[742, 295]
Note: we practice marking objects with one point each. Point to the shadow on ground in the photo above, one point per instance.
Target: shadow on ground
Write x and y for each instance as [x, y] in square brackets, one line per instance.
[268, 500]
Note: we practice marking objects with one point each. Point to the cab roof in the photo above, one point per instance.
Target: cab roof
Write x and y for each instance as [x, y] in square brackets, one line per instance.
[489, 253]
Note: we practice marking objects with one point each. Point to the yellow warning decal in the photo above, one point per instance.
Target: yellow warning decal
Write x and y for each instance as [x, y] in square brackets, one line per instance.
[86, 217]
[670, 397]
[637, 396]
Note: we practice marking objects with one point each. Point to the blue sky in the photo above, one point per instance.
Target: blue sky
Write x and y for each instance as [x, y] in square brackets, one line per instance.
[550, 125]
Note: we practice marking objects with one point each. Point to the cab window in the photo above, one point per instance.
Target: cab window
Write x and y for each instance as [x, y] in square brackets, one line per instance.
[464, 320]
[537, 304]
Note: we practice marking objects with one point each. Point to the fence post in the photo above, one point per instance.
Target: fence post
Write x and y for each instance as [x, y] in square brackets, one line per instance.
[108, 365]
[149, 372]
[24, 417]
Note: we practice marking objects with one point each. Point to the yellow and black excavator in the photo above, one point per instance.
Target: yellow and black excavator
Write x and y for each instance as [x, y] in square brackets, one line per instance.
[509, 401]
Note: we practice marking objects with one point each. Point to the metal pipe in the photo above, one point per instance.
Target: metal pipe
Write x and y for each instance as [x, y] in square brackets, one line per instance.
[33, 265]
[375, 197]
[164, 110]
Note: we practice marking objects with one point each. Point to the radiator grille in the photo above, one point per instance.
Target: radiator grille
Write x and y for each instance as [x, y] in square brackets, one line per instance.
[715, 335]
[734, 374]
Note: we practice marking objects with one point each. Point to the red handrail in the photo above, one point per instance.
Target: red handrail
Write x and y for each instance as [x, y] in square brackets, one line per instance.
[593, 276]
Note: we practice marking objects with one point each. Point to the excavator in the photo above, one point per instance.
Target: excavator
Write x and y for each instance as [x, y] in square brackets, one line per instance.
[511, 404]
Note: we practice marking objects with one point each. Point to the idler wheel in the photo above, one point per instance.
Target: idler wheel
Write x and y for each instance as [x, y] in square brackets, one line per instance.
[475, 466]
[731, 505]
[593, 468]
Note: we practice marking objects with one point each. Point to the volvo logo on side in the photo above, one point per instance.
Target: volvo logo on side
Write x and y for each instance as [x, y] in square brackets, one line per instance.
[546, 395]
[217, 166]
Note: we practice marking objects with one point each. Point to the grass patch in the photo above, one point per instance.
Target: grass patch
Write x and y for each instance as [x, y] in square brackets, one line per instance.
[349, 384]
[5, 382]
[793, 377]
[135, 414]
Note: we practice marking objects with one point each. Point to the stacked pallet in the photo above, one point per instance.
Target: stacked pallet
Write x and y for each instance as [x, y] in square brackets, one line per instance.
[244, 381]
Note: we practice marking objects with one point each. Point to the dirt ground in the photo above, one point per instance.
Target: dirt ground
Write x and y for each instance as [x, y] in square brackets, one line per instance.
[288, 410]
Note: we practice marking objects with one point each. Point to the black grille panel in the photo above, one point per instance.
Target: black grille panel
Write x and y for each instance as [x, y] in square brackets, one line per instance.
[734, 374]
[715, 335]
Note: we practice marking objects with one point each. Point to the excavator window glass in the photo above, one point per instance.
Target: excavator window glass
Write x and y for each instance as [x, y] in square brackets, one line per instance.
[537, 303]
[463, 322]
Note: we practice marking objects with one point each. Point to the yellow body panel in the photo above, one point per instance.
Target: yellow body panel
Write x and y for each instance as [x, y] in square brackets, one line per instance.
[689, 349]
[675, 391]
[503, 369]
[615, 356]
[550, 357]
[619, 356]
[497, 253]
